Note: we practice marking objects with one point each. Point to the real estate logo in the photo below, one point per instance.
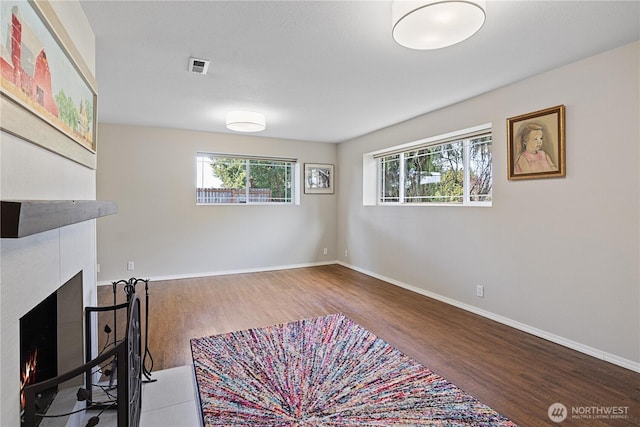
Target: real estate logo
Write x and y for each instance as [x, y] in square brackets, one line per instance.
[557, 412]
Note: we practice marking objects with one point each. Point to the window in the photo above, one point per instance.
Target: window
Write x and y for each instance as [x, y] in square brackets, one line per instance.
[451, 169]
[230, 179]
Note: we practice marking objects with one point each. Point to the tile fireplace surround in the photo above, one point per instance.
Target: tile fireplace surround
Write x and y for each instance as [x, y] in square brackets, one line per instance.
[33, 267]
[52, 243]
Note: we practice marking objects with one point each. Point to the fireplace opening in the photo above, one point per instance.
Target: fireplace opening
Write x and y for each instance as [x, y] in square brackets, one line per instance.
[52, 343]
[39, 349]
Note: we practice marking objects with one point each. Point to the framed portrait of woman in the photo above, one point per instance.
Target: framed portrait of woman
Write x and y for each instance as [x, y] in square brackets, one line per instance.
[536, 144]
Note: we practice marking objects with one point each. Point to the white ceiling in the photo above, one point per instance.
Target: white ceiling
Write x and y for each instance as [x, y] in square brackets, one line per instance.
[324, 71]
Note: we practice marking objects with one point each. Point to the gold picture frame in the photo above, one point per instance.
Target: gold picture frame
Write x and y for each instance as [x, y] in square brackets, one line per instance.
[47, 93]
[318, 178]
[536, 144]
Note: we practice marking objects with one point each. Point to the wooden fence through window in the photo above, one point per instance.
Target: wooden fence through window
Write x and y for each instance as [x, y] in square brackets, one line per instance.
[232, 195]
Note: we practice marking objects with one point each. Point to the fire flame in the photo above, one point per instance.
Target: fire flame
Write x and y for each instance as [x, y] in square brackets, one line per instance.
[28, 376]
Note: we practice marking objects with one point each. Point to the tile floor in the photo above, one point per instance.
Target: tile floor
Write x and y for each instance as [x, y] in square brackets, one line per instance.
[170, 401]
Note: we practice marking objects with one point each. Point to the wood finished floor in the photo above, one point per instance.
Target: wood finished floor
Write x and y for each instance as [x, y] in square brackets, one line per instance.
[515, 373]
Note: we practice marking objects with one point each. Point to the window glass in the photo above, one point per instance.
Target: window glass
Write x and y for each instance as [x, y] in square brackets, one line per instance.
[480, 169]
[390, 176]
[455, 172]
[434, 174]
[225, 179]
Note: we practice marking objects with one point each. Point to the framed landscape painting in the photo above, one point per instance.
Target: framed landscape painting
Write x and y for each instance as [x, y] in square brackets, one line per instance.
[536, 144]
[46, 86]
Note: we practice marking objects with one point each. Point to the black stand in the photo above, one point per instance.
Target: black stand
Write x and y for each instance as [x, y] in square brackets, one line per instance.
[130, 290]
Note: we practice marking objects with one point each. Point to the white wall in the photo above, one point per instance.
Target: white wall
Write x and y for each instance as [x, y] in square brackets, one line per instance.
[151, 172]
[35, 266]
[559, 256]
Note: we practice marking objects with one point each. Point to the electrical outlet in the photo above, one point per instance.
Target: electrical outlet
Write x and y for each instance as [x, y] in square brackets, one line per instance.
[325, 251]
[98, 268]
[131, 266]
[346, 253]
[480, 291]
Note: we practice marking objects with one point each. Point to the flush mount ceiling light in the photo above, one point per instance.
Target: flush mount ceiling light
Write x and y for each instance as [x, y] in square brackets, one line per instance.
[245, 121]
[433, 24]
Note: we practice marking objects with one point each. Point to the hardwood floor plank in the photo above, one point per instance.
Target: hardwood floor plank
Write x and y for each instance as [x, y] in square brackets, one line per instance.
[517, 374]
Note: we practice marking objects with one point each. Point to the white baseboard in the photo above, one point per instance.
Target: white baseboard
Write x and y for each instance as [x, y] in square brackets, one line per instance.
[602, 355]
[224, 273]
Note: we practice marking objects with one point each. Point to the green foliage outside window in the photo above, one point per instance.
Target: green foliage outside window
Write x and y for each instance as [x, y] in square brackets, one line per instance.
[271, 176]
[232, 172]
[436, 174]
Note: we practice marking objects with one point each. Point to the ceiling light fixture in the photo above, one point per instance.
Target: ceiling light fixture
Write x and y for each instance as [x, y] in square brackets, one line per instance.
[434, 24]
[246, 121]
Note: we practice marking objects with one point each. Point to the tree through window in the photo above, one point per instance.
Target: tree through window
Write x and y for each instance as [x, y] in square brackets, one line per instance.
[458, 171]
[228, 179]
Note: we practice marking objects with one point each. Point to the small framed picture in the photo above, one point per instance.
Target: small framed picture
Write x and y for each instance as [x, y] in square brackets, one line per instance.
[536, 144]
[318, 178]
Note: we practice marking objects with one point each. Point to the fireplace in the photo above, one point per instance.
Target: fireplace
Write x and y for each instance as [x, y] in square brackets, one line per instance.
[61, 235]
[39, 348]
[51, 340]
[119, 389]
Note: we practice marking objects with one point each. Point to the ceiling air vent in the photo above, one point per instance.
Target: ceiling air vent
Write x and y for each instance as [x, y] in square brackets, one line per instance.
[198, 66]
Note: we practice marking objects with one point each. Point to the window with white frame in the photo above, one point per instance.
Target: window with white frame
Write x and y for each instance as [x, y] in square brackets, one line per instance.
[234, 179]
[452, 169]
